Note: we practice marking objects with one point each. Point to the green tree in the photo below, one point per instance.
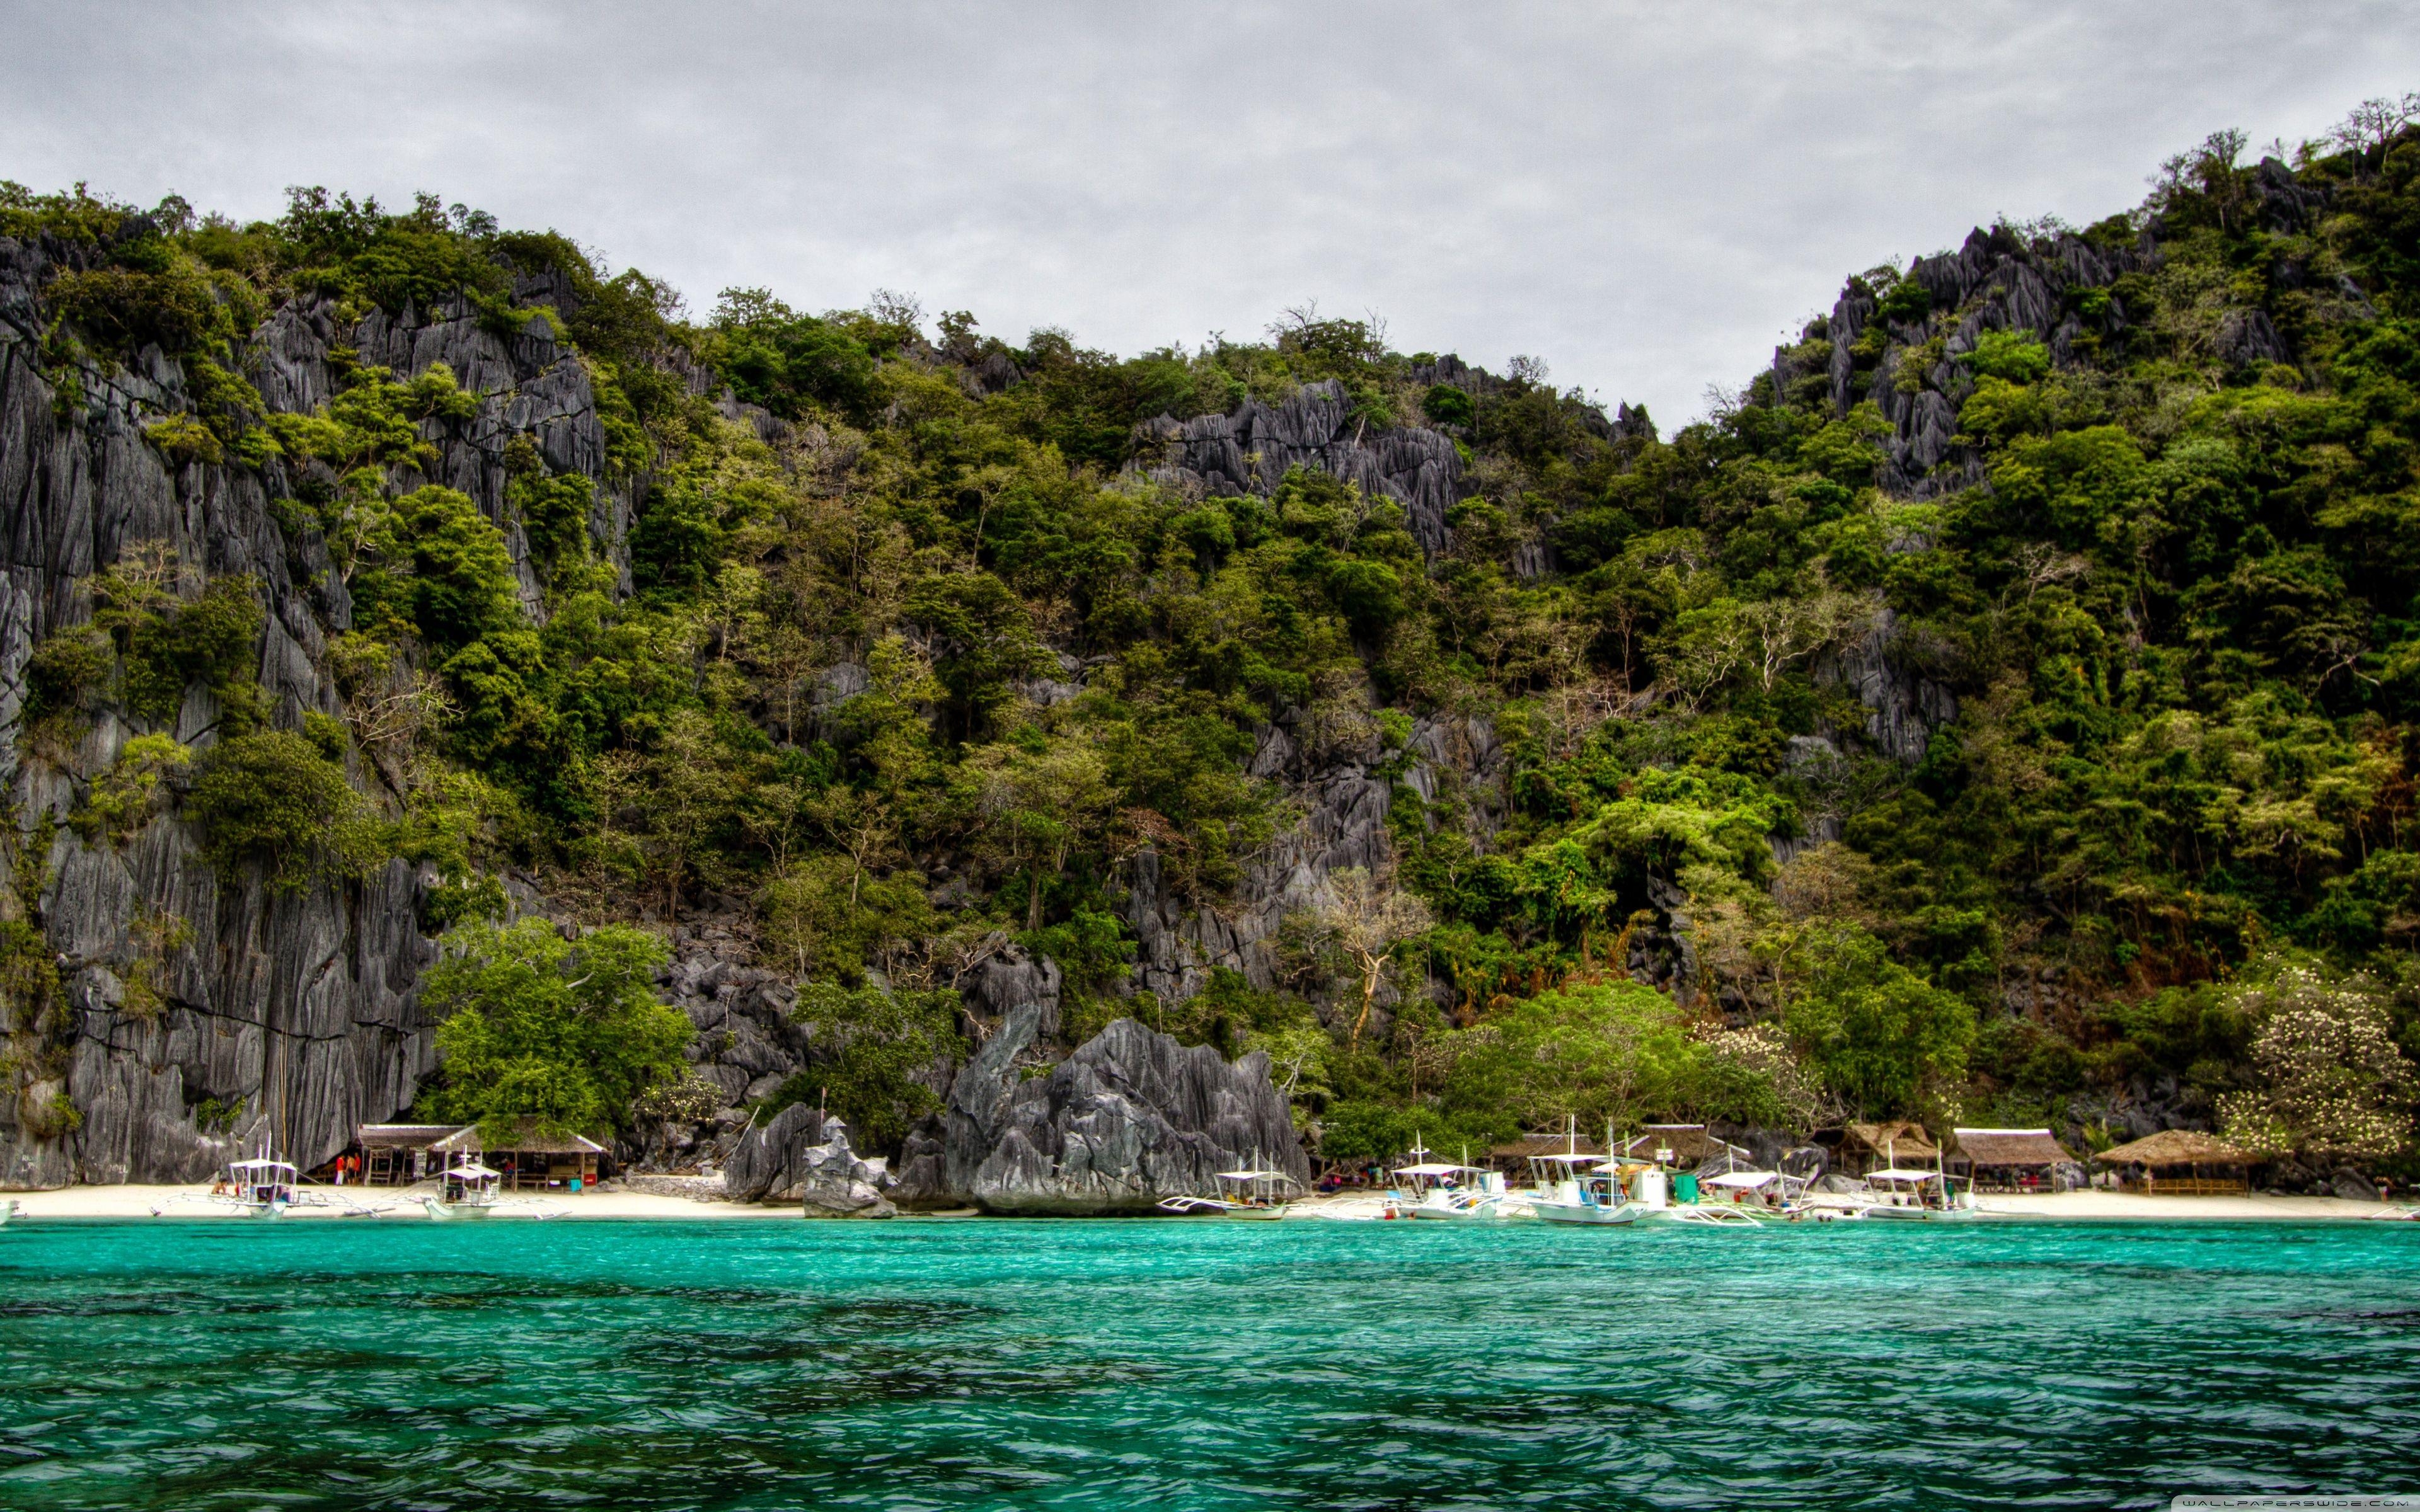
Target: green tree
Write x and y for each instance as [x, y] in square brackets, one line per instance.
[273, 799]
[568, 1033]
[1875, 1032]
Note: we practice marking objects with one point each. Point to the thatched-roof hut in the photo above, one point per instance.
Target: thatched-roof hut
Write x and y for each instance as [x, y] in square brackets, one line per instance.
[399, 1153]
[1518, 1154]
[2182, 1163]
[2013, 1157]
[528, 1157]
[1866, 1146]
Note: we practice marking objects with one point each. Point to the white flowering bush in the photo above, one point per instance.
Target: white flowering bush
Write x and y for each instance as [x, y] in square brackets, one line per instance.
[2332, 1081]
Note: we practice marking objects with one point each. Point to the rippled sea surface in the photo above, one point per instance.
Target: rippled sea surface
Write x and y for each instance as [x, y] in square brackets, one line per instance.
[957, 1364]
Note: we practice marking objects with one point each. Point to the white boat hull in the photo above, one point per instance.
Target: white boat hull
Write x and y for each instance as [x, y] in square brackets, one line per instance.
[1594, 1214]
[1356, 1210]
[1486, 1212]
[455, 1212]
[1258, 1215]
[1701, 1217]
[1922, 1215]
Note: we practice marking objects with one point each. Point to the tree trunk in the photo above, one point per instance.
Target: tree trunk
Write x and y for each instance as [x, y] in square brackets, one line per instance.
[1370, 970]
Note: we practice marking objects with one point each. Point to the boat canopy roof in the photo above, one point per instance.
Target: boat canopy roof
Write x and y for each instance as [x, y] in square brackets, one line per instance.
[1255, 1175]
[472, 1173]
[1573, 1157]
[1433, 1168]
[1742, 1178]
[1901, 1173]
[262, 1164]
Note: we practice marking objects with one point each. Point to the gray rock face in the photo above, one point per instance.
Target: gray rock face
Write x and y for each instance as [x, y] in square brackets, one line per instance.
[804, 1157]
[1130, 1118]
[832, 1182]
[1995, 282]
[767, 1159]
[2352, 1186]
[1250, 451]
[292, 1015]
[1903, 707]
[1343, 815]
[1010, 980]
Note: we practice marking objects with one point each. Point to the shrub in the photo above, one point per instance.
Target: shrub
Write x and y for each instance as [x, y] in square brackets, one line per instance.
[1446, 405]
[872, 1046]
[1875, 1032]
[272, 799]
[123, 798]
[1616, 1053]
[181, 438]
[169, 646]
[2010, 356]
[568, 1033]
[461, 584]
[829, 917]
[68, 671]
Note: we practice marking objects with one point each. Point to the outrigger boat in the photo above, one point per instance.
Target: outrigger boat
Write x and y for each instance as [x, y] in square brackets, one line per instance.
[1649, 1186]
[464, 1192]
[1436, 1191]
[1902, 1198]
[1570, 1195]
[264, 1187]
[7, 1209]
[1257, 1195]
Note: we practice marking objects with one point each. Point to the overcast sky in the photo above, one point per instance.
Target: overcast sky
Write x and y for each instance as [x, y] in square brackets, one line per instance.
[1646, 197]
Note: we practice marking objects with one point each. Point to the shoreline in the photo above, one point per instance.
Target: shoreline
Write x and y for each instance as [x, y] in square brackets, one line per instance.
[402, 1203]
[390, 1204]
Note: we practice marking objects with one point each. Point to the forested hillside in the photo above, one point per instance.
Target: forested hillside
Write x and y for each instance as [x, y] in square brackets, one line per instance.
[2000, 711]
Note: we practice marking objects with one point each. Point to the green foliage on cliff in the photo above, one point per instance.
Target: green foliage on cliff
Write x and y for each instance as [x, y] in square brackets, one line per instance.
[272, 799]
[922, 658]
[883, 1053]
[566, 1034]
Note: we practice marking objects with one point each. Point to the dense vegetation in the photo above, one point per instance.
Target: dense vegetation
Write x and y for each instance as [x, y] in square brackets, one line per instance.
[2160, 856]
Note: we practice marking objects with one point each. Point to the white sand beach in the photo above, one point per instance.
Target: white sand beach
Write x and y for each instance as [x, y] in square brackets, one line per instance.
[2135, 1207]
[615, 1201]
[387, 1203]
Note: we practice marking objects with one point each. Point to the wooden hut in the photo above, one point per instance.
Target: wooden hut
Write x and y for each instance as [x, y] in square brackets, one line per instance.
[1691, 1145]
[1872, 1147]
[399, 1154]
[1516, 1155]
[2009, 1159]
[2181, 1163]
[528, 1158]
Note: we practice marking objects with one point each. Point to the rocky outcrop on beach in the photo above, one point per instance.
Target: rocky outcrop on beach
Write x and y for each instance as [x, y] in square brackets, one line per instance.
[1130, 1118]
[834, 1182]
[800, 1155]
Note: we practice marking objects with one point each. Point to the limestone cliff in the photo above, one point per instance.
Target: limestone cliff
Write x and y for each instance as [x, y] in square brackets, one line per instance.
[287, 1013]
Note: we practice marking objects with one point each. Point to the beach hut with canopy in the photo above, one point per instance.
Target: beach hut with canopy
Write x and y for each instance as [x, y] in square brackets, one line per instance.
[2009, 1159]
[399, 1154]
[1518, 1154]
[2181, 1163]
[1870, 1147]
[1679, 1145]
[527, 1157]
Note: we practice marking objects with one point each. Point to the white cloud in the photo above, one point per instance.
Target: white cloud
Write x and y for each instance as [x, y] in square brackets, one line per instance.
[1648, 197]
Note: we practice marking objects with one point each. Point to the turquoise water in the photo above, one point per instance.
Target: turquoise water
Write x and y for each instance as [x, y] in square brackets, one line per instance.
[940, 1364]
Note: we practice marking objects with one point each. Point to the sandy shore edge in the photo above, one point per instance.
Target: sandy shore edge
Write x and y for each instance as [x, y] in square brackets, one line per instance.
[386, 1203]
[397, 1204]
